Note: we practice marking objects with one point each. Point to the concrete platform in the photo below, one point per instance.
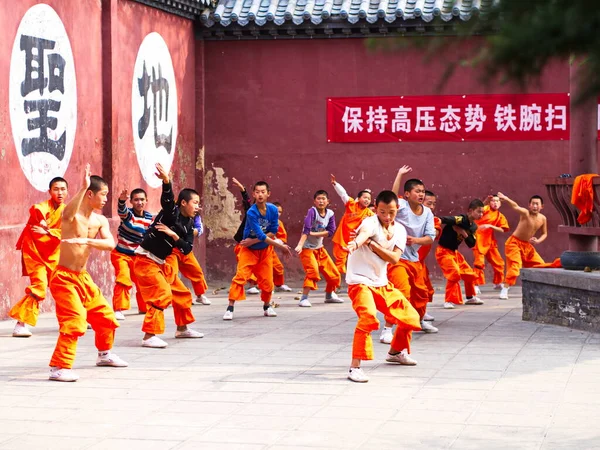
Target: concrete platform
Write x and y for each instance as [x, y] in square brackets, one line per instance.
[487, 380]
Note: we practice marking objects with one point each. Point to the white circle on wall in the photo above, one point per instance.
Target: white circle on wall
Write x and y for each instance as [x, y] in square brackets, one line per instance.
[42, 96]
[154, 107]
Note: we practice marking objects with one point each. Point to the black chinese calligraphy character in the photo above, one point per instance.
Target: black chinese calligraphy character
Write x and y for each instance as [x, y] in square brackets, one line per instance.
[35, 78]
[160, 103]
[43, 144]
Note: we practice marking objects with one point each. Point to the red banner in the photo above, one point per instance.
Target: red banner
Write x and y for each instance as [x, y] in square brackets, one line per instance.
[496, 117]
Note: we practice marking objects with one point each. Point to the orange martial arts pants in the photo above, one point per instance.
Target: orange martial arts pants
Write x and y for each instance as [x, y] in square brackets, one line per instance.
[161, 286]
[408, 278]
[341, 257]
[79, 301]
[190, 268]
[253, 262]
[494, 257]
[522, 254]
[278, 278]
[366, 301]
[27, 309]
[427, 279]
[125, 279]
[455, 268]
[316, 261]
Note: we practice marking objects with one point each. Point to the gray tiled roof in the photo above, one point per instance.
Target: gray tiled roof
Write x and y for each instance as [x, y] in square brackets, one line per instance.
[280, 12]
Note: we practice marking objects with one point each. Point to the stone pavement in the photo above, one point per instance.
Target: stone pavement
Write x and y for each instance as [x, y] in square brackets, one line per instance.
[486, 381]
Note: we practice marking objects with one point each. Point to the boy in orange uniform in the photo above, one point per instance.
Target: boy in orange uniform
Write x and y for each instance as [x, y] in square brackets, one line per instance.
[78, 299]
[39, 244]
[255, 251]
[519, 248]
[134, 223]
[380, 241]
[156, 265]
[354, 213]
[454, 267]
[486, 246]
[278, 271]
[429, 202]
[318, 223]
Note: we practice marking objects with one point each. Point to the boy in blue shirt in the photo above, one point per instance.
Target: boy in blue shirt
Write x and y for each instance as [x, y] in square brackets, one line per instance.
[256, 251]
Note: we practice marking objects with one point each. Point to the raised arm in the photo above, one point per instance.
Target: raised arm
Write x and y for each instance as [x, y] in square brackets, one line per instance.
[398, 180]
[122, 210]
[245, 197]
[513, 204]
[73, 206]
[340, 190]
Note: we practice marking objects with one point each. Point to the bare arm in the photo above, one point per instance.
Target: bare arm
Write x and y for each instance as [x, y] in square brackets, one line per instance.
[390, 256]
[319, 233]
[513, 204]
[104, 242]
[489, 226]
[301, 242]
[544, 234]
[73, 206]
[425, 240]
[398, 180]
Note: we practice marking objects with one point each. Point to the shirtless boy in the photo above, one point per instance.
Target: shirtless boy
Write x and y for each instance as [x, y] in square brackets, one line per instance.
[78, 299]
[519, 248]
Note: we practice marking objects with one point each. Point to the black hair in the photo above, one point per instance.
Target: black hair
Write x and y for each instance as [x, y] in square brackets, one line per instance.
[412, 183]
[430, 194]
[537, 197]
[277, 204]
[386, 197]
[261, 183]
[96, 184]
[476, 203]
[364, 191]
[137, 191]
[57, 180]
[321, 192]
[186, 195]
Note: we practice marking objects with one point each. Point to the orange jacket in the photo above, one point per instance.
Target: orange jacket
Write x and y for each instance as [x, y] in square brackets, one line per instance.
[42, 247]
[485, 239]
[352, 218]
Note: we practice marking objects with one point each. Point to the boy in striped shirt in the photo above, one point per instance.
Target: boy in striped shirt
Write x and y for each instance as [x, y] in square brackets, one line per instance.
[134, 223]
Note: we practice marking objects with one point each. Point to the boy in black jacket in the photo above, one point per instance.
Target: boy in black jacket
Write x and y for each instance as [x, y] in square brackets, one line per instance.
[158, 281]
[451, 261]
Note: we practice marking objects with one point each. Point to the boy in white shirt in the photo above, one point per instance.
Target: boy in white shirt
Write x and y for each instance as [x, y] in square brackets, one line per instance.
[380, 241]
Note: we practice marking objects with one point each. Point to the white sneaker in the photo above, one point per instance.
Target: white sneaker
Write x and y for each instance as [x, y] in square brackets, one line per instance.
[477, 290]
[188, 333]
[498, 286]
[357, 375]
[503, 294]
[66, 375]
[21, 330]
[119, 315]
[428, 317]
[283, 288]
[386, 336]
[228, 315]
[448, 305]
[253, 291]
[111, 360]
[474, 301]
[401, 358]
[305, 303]
[154, 342]
[426, 327]
[333, 299]
[270, 312]
[202, 300]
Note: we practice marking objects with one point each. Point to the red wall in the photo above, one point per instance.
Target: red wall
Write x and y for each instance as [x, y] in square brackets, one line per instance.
[105, 37]
[265, 103]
